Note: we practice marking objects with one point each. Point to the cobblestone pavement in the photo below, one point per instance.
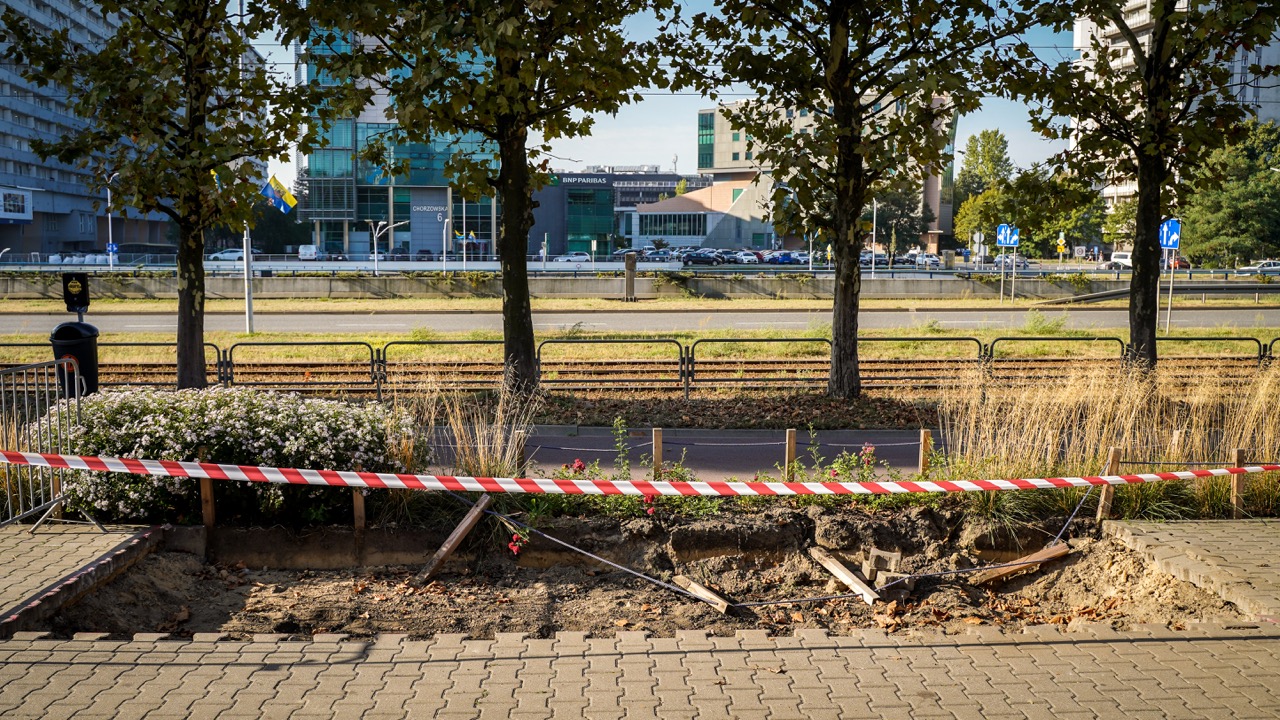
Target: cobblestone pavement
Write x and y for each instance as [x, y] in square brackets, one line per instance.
[1204, 672]
[1237, 559]
[33, 564]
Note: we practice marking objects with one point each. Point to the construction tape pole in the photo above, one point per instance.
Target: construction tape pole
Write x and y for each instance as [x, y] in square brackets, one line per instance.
[336, 478]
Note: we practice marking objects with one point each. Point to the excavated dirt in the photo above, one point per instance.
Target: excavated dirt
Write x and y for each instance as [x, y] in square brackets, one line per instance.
[747, 558]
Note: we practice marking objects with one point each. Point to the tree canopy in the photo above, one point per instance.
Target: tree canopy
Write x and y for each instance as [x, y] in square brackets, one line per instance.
[1043, 204]
[488, 75]
[1232, 216]
[168, 104]
[985, 162]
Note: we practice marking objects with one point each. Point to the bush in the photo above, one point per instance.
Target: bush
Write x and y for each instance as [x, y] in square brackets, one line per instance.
[232, 426]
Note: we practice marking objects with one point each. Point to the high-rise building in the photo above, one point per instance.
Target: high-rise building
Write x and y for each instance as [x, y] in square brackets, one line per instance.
[1262, 96]
[46, 206]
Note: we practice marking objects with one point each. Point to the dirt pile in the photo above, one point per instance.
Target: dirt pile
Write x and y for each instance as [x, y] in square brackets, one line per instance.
[748, 558]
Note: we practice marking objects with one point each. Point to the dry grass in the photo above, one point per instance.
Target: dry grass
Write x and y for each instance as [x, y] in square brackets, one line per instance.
[1066, 428]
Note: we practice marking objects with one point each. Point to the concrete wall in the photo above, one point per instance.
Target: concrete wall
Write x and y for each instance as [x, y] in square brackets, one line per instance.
[120, 286]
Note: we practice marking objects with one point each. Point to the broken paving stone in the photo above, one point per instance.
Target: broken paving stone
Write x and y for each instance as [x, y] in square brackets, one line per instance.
[878, 560]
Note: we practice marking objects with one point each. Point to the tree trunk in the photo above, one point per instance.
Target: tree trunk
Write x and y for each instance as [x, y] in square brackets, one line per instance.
[1144, 288]
[845, 381]
[191, 365]
[514, 190]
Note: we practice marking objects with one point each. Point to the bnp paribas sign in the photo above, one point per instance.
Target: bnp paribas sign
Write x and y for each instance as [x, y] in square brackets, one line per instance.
[582, 180]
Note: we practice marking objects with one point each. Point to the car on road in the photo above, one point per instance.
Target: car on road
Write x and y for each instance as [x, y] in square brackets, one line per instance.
[783, 257]
[233, 254]
[702, 257]
[1177, 263]
[1124, 259]
[662, 255]
[575, 256]
[1112, 265]
[1011, 262]
[928, 260]
[746, 257]
[881, 259]
[1264, 267]
[624, 252]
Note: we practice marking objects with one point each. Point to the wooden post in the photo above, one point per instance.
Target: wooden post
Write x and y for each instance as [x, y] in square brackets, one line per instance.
[522, 462]
[657, 454]
[206, 493]
[790, 457]
[1108, 491]
[1175, 446]
[1237, 485]
[454, 540]
[357, 506]
[926, 447]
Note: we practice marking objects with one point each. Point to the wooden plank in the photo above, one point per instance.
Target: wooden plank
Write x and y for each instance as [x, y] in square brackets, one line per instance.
[926, 447]
[703, 593]
[844, 574]
[657, 454]
[1031, 562]
[789, 460]
[454, 540]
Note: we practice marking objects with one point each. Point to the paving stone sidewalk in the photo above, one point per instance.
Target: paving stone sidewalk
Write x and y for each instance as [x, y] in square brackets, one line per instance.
[1237, 559]
[1204, 672]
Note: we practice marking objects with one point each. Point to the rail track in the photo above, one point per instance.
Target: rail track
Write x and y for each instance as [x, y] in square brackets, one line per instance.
[675, 375]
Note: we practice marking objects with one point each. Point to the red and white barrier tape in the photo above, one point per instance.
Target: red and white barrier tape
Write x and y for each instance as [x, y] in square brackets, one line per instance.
[252, 473]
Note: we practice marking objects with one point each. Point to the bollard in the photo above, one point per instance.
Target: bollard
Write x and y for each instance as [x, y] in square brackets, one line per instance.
[1237, 485]
[1108, 491]
[357, 505]
[657, 454]
[790, 457]
[926, 447]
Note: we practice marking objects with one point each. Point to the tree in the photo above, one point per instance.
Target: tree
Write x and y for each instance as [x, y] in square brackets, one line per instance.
[1151, 105]
[682, 187]
[986, 162]
[1233, 214]
[900, 215]
[496, 71]
[167, 104]
[1121, 221]
[1042, 204]
[881, 82]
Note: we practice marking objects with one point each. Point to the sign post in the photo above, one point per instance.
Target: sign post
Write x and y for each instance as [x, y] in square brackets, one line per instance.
[1062, 247]
[75, 293]
[1006, 237]
[1170, 239]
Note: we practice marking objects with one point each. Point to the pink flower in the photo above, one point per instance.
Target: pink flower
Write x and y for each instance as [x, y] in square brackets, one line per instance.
[579, 466]
[515, 549]
[835, 473]
[651, 510]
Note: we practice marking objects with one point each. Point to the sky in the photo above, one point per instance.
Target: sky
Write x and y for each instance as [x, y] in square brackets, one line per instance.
[662, 128]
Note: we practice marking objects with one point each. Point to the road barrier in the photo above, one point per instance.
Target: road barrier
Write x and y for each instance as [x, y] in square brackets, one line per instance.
[26, 395]
[582, 486]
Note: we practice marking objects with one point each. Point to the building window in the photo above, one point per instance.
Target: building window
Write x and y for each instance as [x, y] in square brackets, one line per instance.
[673, 224]
[748, 154]
[706, 139]
[51, 223]
[736, 194]
[735, 156]
[737, 137]
[804, 113]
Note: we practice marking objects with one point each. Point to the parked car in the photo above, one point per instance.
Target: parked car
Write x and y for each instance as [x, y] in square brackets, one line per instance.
[623, 253]
[575, 256]
[746, 257]
[1112, 265]
[881, 259]
[782, 257]
[1177, 263]
[702, 257]
[662, 255]
[234, 254]
[1124, 259]
[928, 260]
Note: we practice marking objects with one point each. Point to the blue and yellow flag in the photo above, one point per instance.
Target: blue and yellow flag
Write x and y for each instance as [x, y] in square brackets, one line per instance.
[457, 234]
[279, 195]
[471, 235]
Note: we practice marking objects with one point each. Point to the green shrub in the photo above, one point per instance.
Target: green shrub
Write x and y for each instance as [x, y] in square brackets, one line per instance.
[230, 426]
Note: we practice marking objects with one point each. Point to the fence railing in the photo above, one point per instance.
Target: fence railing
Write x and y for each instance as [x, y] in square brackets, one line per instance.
[27, 394]
[667, 363]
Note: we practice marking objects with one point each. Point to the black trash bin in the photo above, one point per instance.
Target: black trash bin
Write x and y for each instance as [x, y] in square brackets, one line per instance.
[80, 341]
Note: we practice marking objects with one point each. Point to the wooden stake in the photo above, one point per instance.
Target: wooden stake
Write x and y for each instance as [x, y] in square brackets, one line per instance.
[1108, 491]
[657, 454]
[357, 507]
[703, 593]
[790, 457]
[206, 492]
[1237, 485]
[453, 541]
[926, 447]
[844, 574]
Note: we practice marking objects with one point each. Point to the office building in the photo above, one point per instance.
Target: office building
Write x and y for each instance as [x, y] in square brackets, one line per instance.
[46, 207]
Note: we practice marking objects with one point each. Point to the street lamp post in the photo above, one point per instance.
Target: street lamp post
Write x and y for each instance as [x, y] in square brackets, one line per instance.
[444, 246]
[111, 256]
[382, 227]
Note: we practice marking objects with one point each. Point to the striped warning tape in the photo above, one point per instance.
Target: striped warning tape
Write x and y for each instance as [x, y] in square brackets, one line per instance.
[584, 486]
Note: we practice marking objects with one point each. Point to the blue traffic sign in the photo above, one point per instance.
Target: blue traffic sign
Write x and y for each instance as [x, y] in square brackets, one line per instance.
[113, 248]
[1007, 236]
[1170, 233]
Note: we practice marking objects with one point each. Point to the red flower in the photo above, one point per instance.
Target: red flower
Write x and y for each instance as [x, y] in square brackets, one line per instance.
[651, 510]
[579, 466]
[835, 473]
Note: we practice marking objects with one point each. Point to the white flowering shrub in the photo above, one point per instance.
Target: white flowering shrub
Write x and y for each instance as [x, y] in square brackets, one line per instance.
[234, 426]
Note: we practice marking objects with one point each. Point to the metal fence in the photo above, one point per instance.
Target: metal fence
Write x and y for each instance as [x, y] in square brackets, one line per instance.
[34, 417]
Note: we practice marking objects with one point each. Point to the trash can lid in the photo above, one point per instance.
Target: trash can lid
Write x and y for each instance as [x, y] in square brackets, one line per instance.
[74, 331]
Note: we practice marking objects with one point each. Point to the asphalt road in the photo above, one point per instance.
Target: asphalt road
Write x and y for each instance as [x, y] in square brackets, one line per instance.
[641, 321]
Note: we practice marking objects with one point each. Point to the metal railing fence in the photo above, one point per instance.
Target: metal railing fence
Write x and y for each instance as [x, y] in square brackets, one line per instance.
[32, 420]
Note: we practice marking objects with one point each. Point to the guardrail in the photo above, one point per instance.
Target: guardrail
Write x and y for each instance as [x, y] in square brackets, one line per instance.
[683, 367]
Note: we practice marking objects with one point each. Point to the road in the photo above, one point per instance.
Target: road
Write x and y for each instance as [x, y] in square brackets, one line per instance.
[644, 321]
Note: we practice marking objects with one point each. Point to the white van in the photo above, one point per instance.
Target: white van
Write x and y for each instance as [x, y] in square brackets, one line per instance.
[307, 252]
[1124, 259]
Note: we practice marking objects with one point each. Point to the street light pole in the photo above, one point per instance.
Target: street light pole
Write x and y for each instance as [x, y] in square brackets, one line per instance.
[111, 256]
[444, 246]
[376, 234]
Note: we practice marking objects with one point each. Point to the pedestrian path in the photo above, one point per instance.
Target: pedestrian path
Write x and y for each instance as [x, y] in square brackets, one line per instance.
[1239, 560]
[1204, 672]
[40, 571]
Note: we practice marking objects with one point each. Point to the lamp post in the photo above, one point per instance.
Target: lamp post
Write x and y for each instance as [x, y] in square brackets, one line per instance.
[111, 256]
[382, 227]
[444, 246]
[875, 208]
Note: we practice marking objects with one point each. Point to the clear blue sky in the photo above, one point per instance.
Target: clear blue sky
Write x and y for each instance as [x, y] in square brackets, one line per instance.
[664, 125]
